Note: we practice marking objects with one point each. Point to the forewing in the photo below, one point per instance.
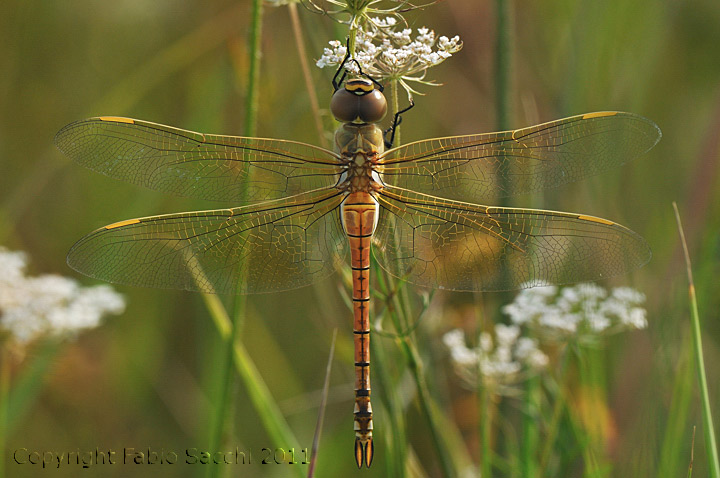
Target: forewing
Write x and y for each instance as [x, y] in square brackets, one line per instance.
[276, 245]
[448, 244]
[185, 163]
[476, 167]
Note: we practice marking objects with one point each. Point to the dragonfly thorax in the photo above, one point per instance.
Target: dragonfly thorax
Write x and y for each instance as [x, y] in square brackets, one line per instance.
[359, 147]
[358, 102]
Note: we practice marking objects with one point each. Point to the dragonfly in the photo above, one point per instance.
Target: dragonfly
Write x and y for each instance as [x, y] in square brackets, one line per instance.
[302, 207]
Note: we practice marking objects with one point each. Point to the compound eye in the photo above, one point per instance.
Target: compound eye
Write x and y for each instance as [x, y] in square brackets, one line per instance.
[358, 102]
[343, 106]
[373, 107]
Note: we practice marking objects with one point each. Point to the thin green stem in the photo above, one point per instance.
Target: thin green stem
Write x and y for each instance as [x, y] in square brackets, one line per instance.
[4, 399]
[426, 405]
[590, 446]
[485, 429]
[267, 409]
[709, 428]
[253, 94]
[321, 409]
[223, 405]
[530, 429]
[307, 76]
[235, 352]
[400, 313]
[677, 420]
[27, 386]
[558, 408]
[692, 455]
[394, 430]
[503, 61]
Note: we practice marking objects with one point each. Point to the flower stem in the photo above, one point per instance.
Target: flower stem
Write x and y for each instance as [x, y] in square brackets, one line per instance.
[558, 407]
[427, 406]
[485, 430]
[267, 409]
[251, 109]
[309, 84]
[530, 431]
[235, 352]
[4, 399]
[503, 60]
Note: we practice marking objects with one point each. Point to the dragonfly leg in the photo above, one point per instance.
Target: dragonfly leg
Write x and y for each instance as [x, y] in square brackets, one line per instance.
[397, 119]
[342, 72]
[341, 69]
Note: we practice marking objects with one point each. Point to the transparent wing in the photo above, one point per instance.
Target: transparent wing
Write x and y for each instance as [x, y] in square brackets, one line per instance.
[273, 246]
[228, 168]
[476, 167]
[448, 244]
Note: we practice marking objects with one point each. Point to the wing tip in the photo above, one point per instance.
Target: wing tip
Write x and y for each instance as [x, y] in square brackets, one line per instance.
[646, 128]
[653, 132]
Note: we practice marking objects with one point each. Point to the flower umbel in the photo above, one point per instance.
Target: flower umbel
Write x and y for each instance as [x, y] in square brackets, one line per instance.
[386, 54]
[49, 304]
[501, 359]
[582, 312]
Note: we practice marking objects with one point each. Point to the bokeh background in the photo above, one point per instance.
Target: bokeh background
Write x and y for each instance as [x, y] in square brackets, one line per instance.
[143, 379]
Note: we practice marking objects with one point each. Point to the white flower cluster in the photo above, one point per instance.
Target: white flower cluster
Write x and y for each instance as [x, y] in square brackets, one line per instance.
[502, 359]
[49, 304]
[384, 53]
[582, 312]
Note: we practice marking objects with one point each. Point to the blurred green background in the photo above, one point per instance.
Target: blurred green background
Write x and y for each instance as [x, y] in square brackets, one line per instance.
[142, 380]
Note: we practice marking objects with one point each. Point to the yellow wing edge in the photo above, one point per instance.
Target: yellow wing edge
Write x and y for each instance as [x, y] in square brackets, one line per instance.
[127, 222]
[599, 220]
[599, 114]
[117, 119]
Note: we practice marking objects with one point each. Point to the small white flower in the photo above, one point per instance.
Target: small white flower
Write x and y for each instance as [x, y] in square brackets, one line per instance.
[506, 334]
[582, 312]
[501, 360]
[629, 295]
[384, 53]
[637, 318]
[486, 341]
[50, 304]
[598, 322]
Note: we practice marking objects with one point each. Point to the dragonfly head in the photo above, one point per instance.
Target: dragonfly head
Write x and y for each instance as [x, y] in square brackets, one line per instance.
[359, 101]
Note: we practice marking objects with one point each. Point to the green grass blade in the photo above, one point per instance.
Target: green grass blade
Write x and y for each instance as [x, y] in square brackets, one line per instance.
[321, 410]
[709, 428]
[266, 407]
[671, 457]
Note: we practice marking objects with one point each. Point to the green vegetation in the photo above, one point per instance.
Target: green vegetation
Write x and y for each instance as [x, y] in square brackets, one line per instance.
[165, 377]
